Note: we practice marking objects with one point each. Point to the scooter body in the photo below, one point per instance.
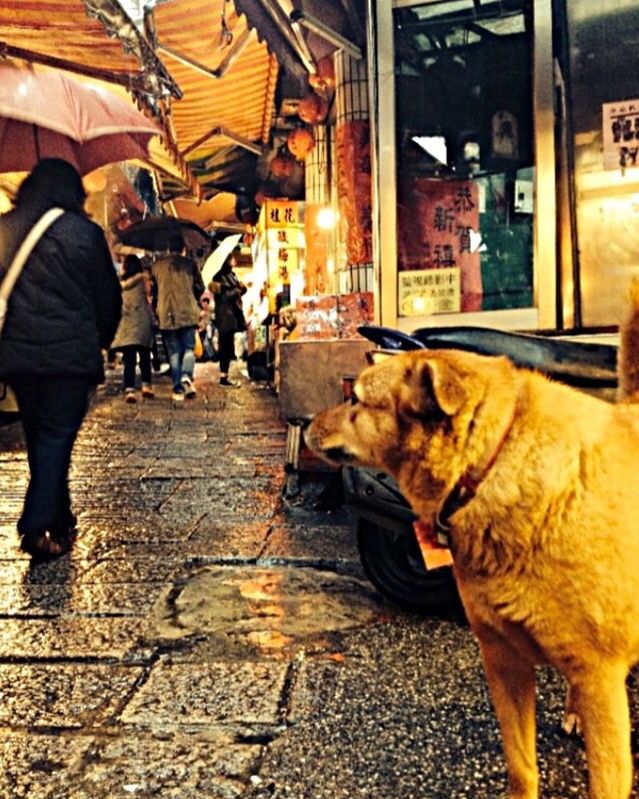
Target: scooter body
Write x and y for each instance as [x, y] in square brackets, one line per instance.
[386, 539]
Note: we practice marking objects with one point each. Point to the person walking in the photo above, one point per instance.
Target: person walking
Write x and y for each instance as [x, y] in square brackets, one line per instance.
[179, 286]
[134, 336]
[227, 290]
[63, 312]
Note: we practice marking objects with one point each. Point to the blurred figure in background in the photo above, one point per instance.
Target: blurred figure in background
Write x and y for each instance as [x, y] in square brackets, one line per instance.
[206, 326]
[134, 336]
[179, 286]
[63, 311]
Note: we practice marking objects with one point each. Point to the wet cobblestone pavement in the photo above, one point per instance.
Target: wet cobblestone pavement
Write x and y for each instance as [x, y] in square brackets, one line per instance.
[207, 638]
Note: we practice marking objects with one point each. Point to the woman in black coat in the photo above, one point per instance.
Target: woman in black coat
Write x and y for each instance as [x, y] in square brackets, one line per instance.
[63, 311]
[227, 290]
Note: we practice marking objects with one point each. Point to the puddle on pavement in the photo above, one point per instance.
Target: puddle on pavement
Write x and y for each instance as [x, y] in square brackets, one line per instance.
[270, 610]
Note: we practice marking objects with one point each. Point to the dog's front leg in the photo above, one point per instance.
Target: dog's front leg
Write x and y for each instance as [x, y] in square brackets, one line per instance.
[601, 700]
[512, 686]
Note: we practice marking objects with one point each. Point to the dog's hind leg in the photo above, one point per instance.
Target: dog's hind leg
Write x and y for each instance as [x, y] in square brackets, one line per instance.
[601, 700]
[511, 680]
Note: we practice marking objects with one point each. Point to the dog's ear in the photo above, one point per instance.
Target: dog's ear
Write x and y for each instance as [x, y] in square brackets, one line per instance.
[434, 384]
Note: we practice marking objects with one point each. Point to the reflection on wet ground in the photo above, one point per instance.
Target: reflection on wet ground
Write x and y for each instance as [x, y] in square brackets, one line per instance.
[274, 611]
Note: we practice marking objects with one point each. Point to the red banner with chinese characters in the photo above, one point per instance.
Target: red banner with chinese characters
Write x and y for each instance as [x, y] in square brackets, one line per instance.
[438, 223]
[354, 189]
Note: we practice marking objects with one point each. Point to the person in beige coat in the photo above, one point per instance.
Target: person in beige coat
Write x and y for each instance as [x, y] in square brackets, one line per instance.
[179, 286]
[134, 336]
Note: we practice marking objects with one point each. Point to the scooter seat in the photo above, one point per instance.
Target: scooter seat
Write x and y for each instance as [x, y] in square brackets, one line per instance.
[581, 364]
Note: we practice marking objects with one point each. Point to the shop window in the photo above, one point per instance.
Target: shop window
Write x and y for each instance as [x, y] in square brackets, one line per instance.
[464, 134]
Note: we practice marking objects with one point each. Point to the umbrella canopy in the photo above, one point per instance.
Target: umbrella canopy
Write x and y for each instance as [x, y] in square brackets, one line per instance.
[46, 114]
[159, 232]
[218, 256]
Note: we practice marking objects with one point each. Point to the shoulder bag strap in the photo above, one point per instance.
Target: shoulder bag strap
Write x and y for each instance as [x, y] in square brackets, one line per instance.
[24, 250]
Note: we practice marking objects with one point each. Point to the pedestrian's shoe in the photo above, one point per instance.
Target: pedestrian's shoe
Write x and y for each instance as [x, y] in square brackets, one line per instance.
[177, 397]
[130, 395]
[189, 388]
[47, 545]
[147, 391]
[224, 381]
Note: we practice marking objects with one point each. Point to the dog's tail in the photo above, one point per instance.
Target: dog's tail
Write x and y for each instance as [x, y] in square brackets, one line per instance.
[628, 357]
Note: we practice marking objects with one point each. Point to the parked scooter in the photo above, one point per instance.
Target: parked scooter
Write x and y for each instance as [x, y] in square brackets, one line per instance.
[386, 540]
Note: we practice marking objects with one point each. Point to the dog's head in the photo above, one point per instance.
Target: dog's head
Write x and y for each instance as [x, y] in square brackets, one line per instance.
[423, 416]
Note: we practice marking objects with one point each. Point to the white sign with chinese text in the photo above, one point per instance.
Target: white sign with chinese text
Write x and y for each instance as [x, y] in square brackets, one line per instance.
[429, 291]
[620, 134]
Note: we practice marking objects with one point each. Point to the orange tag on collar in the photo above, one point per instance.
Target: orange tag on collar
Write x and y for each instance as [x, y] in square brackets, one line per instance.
[434, 555]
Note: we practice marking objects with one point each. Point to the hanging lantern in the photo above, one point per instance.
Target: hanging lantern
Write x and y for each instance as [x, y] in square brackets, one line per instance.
[300, 142]
[312, 109]
[282, 165]
[324, 79]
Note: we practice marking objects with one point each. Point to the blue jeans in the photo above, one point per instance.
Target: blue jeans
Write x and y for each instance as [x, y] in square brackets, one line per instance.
[180, 346]
[51, 412]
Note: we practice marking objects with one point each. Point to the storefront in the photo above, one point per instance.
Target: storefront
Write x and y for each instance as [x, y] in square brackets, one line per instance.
[506, 185]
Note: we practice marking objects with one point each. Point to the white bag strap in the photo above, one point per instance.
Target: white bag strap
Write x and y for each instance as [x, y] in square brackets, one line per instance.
[24, 250]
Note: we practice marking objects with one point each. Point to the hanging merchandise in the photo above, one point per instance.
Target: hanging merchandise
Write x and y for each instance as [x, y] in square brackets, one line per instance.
[312, 109]
[282, 165]
[323, 80]
[300, 142]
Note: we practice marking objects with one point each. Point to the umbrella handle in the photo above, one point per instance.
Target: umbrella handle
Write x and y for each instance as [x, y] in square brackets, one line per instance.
[36, 141]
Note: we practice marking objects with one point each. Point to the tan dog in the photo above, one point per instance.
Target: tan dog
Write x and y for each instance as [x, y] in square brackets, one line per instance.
[539, 483]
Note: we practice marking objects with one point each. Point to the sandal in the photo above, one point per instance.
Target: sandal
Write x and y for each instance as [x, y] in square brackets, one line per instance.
[46, 546]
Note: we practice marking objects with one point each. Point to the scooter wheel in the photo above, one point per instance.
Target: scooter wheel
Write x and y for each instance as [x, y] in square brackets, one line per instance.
[393, 563]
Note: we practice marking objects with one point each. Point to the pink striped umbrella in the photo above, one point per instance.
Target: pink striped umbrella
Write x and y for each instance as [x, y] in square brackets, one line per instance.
[46, 114]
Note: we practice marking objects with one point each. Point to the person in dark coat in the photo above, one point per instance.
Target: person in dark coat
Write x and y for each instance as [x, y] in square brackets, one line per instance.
[63, 311]
[227, 290]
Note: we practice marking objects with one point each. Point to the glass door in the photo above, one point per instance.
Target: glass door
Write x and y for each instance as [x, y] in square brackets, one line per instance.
[464, 150]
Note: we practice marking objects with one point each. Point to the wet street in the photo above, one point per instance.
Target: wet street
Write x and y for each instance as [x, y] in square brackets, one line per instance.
[208, 638]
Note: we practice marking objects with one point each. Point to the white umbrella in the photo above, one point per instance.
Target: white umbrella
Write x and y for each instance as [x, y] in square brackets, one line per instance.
[218, 256]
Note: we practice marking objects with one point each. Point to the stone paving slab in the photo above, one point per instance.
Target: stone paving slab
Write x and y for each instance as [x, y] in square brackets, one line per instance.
[176, 767]
[208, 694]
[64, 695]
[104, 599]
[38, 766]
[72, 638]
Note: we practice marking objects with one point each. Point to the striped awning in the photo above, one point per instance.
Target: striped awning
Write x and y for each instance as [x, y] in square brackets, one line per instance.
[228, 81]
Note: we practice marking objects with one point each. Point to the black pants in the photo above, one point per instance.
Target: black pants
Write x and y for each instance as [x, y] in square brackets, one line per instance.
[129, 359]
[227, 350]
[51, 411]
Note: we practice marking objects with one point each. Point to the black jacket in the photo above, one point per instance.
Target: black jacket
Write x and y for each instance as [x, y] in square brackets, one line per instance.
[227, 293]
[66, 304]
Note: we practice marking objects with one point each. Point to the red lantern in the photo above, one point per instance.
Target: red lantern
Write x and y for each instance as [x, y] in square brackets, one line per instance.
[324, 79]
[282, 166]
[300, 142]
[312, 109]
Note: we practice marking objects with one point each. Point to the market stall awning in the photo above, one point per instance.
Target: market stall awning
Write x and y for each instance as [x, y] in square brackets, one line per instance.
[228, 80]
